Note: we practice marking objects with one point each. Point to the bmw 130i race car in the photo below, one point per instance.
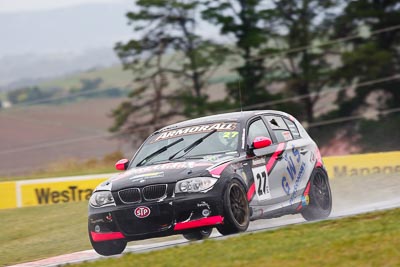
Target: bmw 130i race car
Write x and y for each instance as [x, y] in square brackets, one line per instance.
[219, 171]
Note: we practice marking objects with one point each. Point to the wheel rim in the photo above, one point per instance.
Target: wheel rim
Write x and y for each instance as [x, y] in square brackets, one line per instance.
[321, 192]
[239, 205]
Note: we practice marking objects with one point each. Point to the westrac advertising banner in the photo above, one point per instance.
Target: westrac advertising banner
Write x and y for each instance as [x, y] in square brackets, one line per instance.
[49, 191]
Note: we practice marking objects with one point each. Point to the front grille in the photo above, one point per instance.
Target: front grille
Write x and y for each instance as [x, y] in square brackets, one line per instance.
[130, 195]
[153, 192]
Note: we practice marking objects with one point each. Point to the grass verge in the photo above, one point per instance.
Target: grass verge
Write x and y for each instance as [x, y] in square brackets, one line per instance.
[72, 167]
[373, 239]
[366, 240]
[39, 232]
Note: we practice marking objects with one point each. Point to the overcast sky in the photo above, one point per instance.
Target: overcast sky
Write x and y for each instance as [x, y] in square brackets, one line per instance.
[38, 27]
[15, 6]
[54, 26]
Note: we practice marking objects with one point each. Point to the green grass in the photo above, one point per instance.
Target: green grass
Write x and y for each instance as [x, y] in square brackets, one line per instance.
[72, 167]
[373, 239]
[61, 173]
[39, 232]
[366, 240]
[112, 77]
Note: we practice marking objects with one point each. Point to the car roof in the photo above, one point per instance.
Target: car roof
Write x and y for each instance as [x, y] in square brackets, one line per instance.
[233, 116]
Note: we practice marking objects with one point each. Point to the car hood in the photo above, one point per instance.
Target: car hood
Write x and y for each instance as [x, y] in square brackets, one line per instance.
[169, 172]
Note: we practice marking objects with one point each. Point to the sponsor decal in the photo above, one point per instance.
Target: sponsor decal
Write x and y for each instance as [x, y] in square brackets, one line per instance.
[259, 161]
[92, 221]
[142, 212]
[297, 182]
[291, 182]
[150, 175]
[161, 167]
[305, 200]
[243, 138]
[222, 126]
[203, 204]
[109, 218]
[286, 135]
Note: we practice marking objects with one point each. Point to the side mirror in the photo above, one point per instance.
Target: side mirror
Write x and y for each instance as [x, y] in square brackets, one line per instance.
[261, 142]
[122, 164]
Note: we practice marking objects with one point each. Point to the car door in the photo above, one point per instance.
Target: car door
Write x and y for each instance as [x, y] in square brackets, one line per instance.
[260, 191]
[287, 175]
[305, 150]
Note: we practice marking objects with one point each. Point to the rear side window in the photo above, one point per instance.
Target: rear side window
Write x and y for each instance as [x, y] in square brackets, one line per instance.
[293, 128]
[280, 128]
[257, 128]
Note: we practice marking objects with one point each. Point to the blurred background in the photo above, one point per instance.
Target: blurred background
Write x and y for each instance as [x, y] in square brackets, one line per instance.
[83, 82]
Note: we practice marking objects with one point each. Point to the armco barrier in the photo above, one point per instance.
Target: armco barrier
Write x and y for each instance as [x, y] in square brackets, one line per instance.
[79, 188]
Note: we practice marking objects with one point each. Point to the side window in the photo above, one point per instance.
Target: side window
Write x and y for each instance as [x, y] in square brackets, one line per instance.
[280, 128]
[257, 128]
[293, 128]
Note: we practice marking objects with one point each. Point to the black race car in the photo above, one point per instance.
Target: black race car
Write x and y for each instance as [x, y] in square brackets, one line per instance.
[218, 171]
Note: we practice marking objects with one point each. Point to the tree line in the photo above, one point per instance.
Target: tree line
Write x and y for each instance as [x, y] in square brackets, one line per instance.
[318, 60]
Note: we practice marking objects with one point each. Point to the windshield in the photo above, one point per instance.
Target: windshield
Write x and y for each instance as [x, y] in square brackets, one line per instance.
[224, 140]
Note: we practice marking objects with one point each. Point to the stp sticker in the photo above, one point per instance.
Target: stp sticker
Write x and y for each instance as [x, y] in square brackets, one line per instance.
[142, 212]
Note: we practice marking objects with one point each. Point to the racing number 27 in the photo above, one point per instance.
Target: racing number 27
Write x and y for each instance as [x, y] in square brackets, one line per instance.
[261, 181]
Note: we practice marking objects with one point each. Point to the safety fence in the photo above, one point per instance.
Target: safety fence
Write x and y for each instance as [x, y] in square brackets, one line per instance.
[25, 193]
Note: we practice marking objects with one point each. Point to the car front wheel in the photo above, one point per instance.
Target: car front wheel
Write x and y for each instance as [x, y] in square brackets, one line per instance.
[236, 210]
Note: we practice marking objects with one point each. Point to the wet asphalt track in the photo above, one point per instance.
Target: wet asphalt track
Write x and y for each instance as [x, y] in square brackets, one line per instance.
[351, 196]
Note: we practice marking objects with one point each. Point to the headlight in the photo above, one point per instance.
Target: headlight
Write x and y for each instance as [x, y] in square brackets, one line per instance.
[192, 185]
[101, 198]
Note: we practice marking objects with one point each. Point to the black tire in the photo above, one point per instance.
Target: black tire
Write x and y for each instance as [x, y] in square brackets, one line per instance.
[236, 210]
[108, 248]
[198, 234]
[320, 205]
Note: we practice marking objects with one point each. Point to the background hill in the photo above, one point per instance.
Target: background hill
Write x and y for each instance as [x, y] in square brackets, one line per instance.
[43, 44]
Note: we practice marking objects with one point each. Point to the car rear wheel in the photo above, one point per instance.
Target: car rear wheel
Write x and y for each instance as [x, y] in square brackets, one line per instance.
[198, 234]
[320, 205]
[236, 210]
[108, 248]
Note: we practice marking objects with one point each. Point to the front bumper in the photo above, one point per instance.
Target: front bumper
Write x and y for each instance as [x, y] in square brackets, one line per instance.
[173, 215]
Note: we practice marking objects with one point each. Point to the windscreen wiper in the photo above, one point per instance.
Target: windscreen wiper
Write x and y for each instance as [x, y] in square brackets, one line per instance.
[161, 150]
[191, 146]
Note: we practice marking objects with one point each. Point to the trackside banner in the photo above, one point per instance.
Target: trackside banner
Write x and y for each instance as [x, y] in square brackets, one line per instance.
[49, 191]
[363, 164]
[79, 188]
